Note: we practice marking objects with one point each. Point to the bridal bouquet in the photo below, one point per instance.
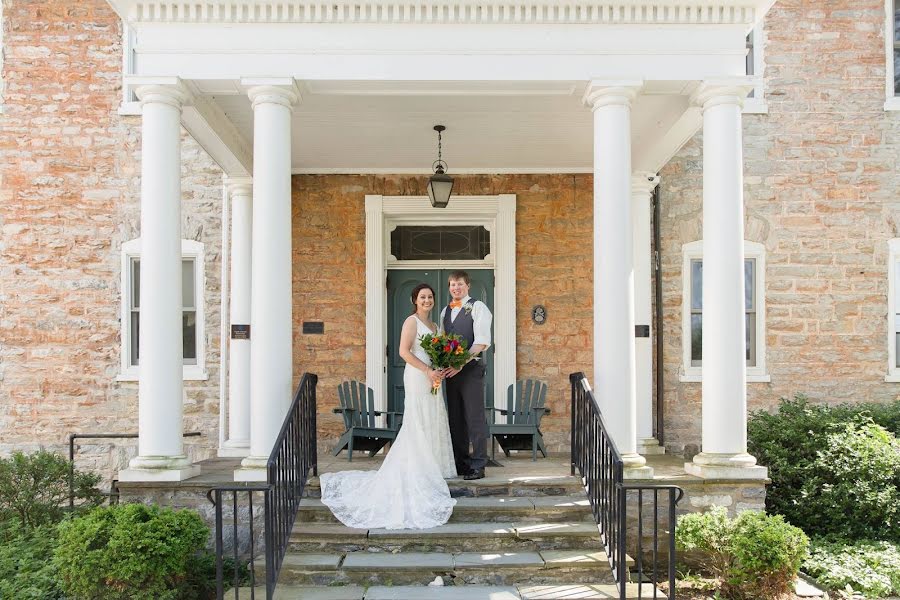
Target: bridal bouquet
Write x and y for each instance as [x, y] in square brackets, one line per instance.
[445, 350]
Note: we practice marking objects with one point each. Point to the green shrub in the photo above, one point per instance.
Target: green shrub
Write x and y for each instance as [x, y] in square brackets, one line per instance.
[34, 488]
[130, 551]
[867, 567]
[756, 556]
[834, 471]
[25, 571]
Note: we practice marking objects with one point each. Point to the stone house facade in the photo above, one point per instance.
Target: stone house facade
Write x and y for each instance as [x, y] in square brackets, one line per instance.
[820, 177]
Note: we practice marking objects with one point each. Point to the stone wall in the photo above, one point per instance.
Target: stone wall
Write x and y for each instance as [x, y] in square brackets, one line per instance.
[553, 268]
[820, 194]
[69, 198]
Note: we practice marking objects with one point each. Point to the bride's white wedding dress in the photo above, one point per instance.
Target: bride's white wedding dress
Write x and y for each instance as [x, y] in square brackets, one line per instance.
[408, 491]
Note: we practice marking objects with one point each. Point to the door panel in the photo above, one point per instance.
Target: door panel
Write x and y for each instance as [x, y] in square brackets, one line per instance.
[400, 285]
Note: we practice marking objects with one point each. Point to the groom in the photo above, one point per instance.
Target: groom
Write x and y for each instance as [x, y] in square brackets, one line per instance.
[471, 319]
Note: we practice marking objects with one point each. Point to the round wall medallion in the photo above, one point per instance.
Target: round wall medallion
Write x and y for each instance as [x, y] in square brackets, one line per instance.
[539, 314]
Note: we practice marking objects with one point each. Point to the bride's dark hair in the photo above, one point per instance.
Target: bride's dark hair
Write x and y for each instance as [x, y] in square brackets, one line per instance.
[415, 294]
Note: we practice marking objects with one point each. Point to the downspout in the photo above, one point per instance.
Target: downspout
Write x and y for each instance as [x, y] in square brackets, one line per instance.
[658, 320]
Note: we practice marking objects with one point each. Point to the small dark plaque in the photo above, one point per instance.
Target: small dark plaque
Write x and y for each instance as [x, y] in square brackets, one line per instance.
[539, 314]
[315, 327]
[240, 332]
[641, 331]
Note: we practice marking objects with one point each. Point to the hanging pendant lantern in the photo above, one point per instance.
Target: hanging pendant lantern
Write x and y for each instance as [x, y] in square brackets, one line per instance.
[440, 185]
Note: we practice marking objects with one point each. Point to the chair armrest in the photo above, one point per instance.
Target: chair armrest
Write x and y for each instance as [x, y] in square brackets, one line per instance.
[502, 411]
[341, 409]
[378, 413]
[543, 409]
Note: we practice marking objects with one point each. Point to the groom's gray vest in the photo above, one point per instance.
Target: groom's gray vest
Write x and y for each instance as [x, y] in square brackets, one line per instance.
[464, 325]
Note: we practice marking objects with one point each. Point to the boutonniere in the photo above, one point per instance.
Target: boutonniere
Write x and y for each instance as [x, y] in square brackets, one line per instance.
[467, 307]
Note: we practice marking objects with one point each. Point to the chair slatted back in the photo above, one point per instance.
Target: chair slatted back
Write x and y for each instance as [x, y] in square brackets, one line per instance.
[356, 395]
[523, 398]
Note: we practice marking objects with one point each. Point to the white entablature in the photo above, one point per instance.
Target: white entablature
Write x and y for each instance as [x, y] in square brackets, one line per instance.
[443, 11]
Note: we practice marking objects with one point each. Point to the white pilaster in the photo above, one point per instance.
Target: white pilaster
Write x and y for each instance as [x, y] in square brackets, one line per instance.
[724, 371]
[160, 396]
[642, 186]
[240, 195]
[271, 327]
[614, 362]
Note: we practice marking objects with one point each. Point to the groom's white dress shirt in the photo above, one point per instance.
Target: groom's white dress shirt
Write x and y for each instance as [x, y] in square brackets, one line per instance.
[481, 317]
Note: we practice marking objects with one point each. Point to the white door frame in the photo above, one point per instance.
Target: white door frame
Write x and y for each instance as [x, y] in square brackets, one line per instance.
[498, 215]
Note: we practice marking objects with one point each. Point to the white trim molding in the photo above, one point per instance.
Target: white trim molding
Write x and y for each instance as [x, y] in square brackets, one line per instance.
[893, 312]
[756, 104]
[694, 251]
[189, 249]
[497, 214]
[445, 11]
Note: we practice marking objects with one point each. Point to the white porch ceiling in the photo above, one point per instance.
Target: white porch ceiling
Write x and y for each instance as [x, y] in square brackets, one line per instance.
[386, 127]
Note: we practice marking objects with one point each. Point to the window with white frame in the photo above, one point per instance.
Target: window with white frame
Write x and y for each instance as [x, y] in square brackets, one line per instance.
[192, 322]
[892, 54]
[893, 311]
[755, 65]
[754, 311]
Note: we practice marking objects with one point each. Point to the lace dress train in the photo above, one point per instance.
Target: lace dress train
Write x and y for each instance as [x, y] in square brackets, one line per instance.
[408, 491]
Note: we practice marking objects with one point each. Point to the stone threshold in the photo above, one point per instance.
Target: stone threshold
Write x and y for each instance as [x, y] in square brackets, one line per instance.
[574, 591]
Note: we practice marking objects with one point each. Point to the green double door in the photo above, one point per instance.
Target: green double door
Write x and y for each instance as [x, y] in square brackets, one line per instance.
[400, 285]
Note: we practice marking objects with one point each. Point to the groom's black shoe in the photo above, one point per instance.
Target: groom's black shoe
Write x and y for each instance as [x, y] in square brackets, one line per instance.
[476, 474]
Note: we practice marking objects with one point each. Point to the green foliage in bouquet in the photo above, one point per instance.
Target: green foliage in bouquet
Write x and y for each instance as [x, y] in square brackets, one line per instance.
[445, 350]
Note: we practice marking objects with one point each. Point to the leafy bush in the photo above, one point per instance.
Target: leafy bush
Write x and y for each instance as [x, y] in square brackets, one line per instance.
[25, 571]
[130, 551]
[34, 488]
[755, 555]
[867, 567]
[834, 471]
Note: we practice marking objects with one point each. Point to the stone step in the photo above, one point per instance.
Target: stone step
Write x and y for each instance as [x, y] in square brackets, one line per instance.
[452, 537]
[498, 484]
[587, 591]
[493, 509]
[469, 568]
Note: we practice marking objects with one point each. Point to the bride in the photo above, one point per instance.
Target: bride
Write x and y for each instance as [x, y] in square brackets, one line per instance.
[408, 491]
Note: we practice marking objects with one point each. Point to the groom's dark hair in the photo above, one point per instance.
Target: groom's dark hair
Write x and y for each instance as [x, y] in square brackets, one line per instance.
[458, 275]
[415, 294]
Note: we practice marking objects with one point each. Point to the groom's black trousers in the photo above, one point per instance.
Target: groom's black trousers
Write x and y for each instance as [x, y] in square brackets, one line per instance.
[465, 412]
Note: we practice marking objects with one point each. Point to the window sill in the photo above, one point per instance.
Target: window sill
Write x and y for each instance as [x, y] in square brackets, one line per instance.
[189, 373]
[892, 378]
[751, 378]
[755, 106]
[892, 103]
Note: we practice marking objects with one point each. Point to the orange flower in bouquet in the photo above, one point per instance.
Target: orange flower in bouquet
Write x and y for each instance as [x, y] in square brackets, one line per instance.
[445, 350]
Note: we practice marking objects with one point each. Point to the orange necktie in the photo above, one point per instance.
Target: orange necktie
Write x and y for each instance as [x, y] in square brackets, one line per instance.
[455, 304]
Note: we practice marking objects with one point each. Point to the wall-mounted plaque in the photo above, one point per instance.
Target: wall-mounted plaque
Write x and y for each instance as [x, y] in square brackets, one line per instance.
[539, 314]
[642, 331]
[314, 327]
[240, 332]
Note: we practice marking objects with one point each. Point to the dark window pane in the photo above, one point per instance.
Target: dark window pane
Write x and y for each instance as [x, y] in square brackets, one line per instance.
[749, 60]
[135, 282]
[187, 283]
[897, 71]
[896, 22]
[135, 331]
[897, 351]
[697, 284]
[696, 339]
[454, 242]
[750, 334]
[749, 279]
[189, 337]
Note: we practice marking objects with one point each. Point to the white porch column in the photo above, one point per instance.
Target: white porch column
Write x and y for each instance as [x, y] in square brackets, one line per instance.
[614, 362]
[240, 194]
[642, 186]
[271, 328]
[724, 426]
[160, 396]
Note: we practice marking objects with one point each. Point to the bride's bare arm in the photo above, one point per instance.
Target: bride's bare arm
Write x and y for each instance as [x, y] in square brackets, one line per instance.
[407, 339]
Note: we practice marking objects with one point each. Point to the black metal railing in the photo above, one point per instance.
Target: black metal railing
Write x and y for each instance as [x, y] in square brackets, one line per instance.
[113, 494]
[290, 463]
[596, 458]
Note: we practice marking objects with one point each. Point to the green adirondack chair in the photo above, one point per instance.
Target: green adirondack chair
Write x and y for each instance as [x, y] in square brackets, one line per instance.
[357, 406]
[525, 408]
